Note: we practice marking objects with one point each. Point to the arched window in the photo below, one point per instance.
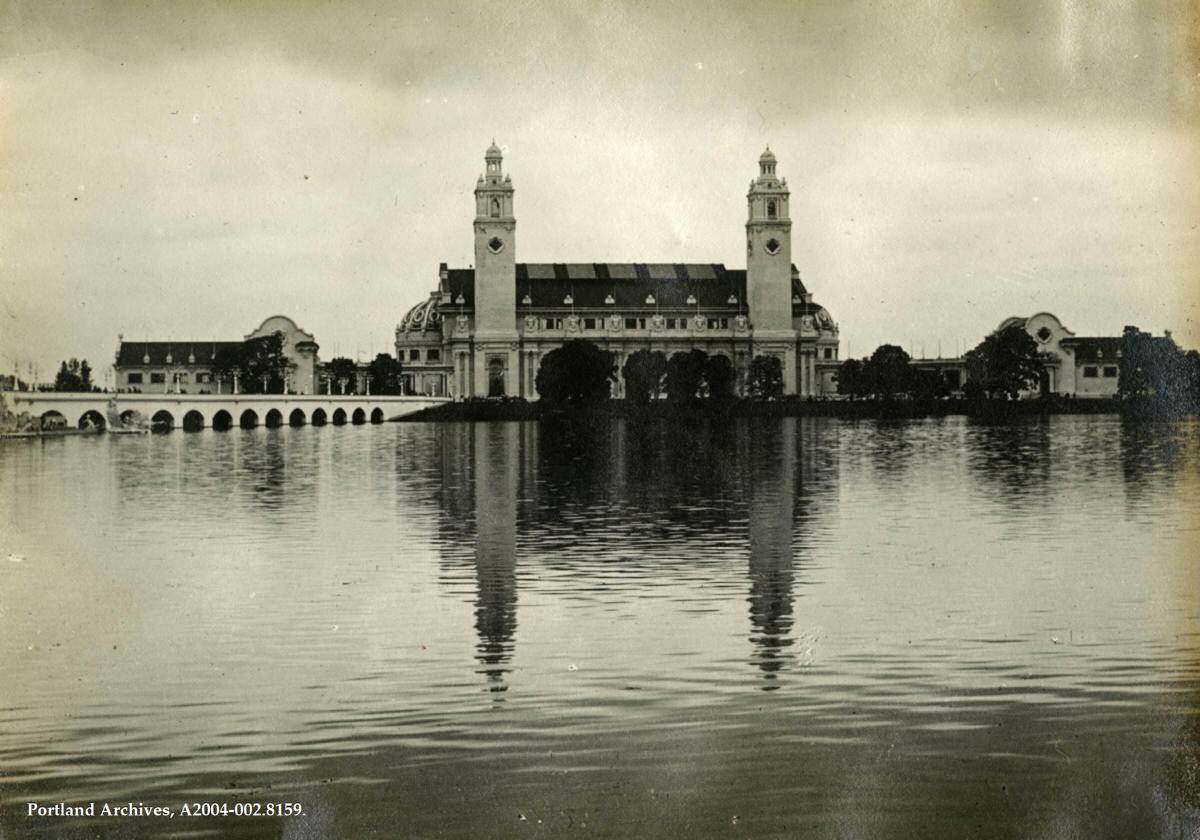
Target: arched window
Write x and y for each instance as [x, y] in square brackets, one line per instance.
[771, 210]
[495, 208]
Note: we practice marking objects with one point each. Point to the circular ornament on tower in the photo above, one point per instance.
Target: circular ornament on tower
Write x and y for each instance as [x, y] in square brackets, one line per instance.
[1044, 334]
[495, 245]
[772, 246]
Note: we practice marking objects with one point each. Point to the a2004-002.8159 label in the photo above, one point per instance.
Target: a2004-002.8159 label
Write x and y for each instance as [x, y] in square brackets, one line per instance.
[187, 809]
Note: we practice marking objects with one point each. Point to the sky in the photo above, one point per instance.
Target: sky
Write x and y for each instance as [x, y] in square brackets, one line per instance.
[183, 170]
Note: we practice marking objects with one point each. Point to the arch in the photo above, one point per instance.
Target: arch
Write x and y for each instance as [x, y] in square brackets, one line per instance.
[359, 417]
[222, 421]
[495, 208]
[339, 417]
[91, 419]
[319, 418]
[162, 421]
[296, 418]
[193, 421]
[772, 210]
[274, 419]
[128, 416]
[377, 415]
[249, 419]
[53, 420]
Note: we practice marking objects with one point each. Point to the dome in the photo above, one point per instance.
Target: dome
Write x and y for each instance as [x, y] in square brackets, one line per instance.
[493, 151]
[767, 157]
[422, 317]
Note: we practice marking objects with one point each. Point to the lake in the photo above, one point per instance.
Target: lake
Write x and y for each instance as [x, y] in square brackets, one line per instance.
[766, 628]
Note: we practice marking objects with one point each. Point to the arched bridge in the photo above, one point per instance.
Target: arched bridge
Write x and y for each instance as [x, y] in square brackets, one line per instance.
[193, 412]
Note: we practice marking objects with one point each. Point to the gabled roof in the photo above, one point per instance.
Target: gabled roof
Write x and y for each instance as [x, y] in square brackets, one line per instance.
[135, 353]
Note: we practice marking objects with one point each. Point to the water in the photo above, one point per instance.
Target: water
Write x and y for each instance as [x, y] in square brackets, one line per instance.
[775, 628]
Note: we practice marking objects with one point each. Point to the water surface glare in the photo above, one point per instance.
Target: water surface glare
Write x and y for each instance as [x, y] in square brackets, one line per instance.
[760, 628]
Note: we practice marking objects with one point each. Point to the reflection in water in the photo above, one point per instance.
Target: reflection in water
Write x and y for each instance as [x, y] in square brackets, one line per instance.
[1007, 619]
[497, 460]
[770, 495]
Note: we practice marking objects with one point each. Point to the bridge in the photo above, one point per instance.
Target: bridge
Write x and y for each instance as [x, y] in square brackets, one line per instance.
[193, 412]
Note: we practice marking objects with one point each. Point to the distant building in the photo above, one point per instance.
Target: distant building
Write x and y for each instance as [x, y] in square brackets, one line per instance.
[1076, 366]
[1072, 365]
[186, 367]
[485, 329]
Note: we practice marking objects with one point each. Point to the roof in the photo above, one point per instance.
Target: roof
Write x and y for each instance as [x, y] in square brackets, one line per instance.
[137, 353]
[1094, 349]
[589, 285]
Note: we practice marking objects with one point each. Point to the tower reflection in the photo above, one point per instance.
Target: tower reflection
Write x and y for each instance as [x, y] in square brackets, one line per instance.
[770, 453]
[496, 454]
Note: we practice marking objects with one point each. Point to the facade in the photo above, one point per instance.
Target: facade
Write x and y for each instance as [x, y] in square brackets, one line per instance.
[1073, 365]
[186, 367]
[484, 330]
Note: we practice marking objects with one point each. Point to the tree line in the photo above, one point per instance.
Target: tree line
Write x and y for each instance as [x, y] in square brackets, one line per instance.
[581, 372]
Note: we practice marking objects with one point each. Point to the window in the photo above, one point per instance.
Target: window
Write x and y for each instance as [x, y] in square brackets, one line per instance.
[181, 377]
[433, 354]
[718, 323]
[828, 352]
[641, 323]
[631, 323]
[1110, 371]
[414, 355]
[203, 378]
[772, 210]
[134, 379]
[670, 323]
[495, 208]
[589, 323]
[158, 378]
[1089, 372]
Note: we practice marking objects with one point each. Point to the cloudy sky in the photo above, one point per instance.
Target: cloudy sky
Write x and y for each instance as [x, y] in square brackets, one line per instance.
[183, 170]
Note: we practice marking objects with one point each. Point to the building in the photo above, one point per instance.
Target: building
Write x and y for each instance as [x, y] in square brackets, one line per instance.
[1076, 366]
[484, 330]
[186, 367]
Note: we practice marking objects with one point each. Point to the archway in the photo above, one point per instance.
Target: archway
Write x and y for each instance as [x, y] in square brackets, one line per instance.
[222, 421]
[53, 420]
[319, 417]
[296, 418]
[339, 417]
[249, 419]
[91, 419]
[162, 421]
[274, 419]
[377, 415]
[193, 421]
[359, 417]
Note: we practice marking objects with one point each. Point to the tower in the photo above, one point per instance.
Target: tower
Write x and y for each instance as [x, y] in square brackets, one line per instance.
[769, 268]
[495, 280]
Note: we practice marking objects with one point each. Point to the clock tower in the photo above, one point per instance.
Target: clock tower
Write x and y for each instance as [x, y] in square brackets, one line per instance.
[495, 328]
[769, 269]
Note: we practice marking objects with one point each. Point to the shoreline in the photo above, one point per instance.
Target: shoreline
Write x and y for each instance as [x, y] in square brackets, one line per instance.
[516, 410]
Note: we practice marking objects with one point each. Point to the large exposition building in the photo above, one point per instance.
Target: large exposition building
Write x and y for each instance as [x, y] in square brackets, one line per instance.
[484, 330]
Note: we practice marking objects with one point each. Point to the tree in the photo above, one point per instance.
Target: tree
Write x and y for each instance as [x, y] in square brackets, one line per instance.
[852, 380]
[343, 373]
[685, 375]
[264, 366]
[1006, 362]
[888, 372]
[766, 378]
[719, 377]
[384, 374]
[73, 375]
[227, 363]
[644, 371]
[577, 372]
[1156, 367]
